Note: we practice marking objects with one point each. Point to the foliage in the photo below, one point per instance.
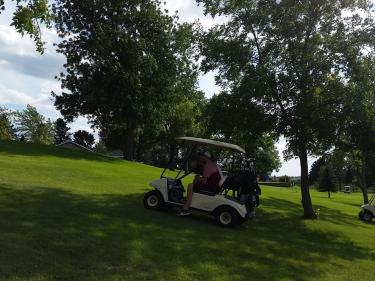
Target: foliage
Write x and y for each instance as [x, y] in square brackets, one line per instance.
[229, 119]
[124, 64]
[289, 60]
[327, 180]
[28, 18]
[100, 147]
[61, 131]
[348, 179]
[278, 184]
[6, 129]
[357, 132]
[283, 179]
[34, 127]
[315, 168]
[339, 163]
[84, 138]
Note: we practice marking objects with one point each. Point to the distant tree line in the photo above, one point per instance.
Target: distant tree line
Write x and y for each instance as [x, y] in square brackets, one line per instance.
[339, 169]
[29, 125]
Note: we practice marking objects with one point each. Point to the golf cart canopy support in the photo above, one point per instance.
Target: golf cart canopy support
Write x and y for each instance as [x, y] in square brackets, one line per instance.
[213, 143]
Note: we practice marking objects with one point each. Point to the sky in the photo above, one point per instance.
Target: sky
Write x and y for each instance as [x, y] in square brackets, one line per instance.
[27, 77]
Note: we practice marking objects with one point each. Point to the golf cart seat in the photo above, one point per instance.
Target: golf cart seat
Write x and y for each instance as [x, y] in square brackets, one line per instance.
[213, 193]
[206, 192]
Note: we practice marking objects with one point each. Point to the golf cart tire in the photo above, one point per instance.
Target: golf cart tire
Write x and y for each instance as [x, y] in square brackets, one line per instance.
[360, 215]
[227, 216]
[153, 200]
[367, 216]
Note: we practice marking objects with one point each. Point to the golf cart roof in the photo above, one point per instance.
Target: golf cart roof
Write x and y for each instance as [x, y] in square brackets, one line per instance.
[213, 143]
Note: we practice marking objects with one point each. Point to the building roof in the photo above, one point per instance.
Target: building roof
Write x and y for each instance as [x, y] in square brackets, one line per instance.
[75, 144]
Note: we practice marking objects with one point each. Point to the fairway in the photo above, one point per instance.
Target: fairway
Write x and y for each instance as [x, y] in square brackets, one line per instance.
[69, 215]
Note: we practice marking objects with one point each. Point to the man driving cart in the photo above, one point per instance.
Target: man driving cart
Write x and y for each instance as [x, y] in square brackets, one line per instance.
[207, 179]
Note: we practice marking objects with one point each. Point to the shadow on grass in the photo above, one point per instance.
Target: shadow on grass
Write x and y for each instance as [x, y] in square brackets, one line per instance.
[290, 210]
[35, 150]
[50, 234]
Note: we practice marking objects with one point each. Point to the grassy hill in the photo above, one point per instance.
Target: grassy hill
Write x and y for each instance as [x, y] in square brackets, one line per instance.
[69, 215]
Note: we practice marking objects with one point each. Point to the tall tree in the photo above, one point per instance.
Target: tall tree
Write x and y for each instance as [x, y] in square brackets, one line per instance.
[28, 18]
[287, 59]
[315, 168]
[327, 180]
[84, 138]
[338, 163]
[61, 131]
[123, 61]
[6, 130]
[356, 134]
[34, 127]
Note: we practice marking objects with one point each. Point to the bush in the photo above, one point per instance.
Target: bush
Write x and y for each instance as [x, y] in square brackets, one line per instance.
[279, 184]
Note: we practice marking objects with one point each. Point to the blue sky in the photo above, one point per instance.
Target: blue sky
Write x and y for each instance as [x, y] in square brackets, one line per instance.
[27, 77]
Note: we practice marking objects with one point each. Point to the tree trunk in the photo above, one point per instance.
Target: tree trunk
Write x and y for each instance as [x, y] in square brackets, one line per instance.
[362, 185]
[305, 191]
[360, 172]
[129, 145]
[329, 194]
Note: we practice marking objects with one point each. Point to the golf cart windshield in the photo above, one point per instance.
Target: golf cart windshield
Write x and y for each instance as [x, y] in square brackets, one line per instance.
[192, 144]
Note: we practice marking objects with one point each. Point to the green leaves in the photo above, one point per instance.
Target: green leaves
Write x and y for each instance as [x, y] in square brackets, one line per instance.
[28, 18]
[127, 64]
[34, 127]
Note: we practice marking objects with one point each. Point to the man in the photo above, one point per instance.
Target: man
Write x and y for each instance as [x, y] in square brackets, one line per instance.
[207, 181]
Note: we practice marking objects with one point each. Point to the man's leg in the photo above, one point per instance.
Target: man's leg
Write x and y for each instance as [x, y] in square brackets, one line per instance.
[189, 196]
[185, 209]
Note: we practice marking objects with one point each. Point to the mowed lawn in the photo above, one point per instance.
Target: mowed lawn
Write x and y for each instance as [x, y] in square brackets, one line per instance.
[67, 215]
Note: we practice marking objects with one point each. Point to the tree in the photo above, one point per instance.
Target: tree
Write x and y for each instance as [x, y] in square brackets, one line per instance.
[28, 18]
[124, 59]
[315, 168]
[356, 134]
[230, 118]
[84, 138]
[61, 131]
[338, 162]
[34, 127]
[288, 59]
[6, 129]
[326, 181]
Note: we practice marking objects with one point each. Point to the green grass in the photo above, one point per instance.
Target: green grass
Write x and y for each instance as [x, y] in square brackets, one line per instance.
[69, 215]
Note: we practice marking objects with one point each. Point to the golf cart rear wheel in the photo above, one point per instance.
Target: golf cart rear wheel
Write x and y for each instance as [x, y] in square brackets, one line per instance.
[153, 200]
[367, 216]
[360, 215]
[227, 216]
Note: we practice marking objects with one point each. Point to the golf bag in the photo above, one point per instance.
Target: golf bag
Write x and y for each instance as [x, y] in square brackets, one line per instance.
[244, 187]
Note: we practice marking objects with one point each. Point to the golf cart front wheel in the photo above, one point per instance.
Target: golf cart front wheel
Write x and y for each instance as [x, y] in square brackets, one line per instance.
[153, 200]
[367, 216]
[227, 216]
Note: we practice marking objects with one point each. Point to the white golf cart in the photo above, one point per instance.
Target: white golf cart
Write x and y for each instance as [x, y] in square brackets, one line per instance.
[236, 200]
[368, 210]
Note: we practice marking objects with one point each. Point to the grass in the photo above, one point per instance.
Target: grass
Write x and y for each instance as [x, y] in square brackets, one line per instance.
[69, 215]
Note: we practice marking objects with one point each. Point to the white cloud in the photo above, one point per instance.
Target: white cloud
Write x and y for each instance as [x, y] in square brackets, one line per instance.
[291, 167]
[189, 11]
[13, 97]
[12, 42]
[10, 96]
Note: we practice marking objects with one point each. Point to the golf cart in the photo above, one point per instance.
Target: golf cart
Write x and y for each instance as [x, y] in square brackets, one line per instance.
[368, 210]
[237, 196]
